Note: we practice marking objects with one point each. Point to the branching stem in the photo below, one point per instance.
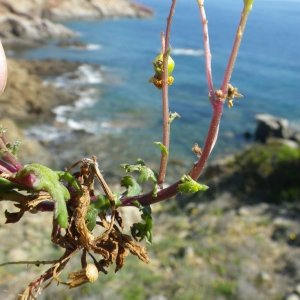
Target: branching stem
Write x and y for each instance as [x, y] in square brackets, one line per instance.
[165, 102]
[217, 104]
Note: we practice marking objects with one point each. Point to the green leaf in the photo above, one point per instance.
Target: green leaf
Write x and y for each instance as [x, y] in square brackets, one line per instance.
[190, 186]
[140, 231]
[133, 188]
[15, 147]
[172, 116]
[162, 147]
[145, 173]
[70, 179]
[100, 205]
[48, 180]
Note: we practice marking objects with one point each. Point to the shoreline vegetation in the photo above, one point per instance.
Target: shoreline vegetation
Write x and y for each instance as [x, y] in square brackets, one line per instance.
[241, 238]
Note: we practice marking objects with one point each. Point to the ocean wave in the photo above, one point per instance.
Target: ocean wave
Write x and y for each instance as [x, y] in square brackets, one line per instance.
[64, 112]
[187, 51]
[93, 47]
[84, 75]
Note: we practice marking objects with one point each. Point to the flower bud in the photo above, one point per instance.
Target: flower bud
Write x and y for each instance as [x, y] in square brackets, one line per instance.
[248, 4]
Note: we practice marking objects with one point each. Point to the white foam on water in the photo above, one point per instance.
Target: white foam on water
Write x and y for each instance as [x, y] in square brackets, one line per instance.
[84, 75]
[44, 133]
[93, 47]
[187, 51]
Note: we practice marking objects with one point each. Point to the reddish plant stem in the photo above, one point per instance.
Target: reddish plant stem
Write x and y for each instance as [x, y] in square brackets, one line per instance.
[207, 51]
[165, 103]
[235, 49]
[195, 172]
[7, 166]
[217, 104]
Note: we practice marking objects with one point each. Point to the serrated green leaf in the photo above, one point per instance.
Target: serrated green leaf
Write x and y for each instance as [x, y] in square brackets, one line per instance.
[140, 231]
[133, 188]
[162, 147]
[145, 173]
[100, 205]
[48, 180]
[190, 186]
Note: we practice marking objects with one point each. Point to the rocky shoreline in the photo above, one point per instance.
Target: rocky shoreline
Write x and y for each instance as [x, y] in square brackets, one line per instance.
[31, 23]
[240, 246]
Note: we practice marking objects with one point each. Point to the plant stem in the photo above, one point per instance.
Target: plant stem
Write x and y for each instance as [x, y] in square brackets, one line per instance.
[217, 104]
[195, 172]
[10, 169]
[165, 103]
[235, 48]
[207, 51]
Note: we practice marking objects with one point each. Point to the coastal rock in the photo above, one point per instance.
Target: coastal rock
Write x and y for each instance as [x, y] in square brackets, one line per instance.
[27, 23]
[20, 28]
[77, 9]
[271, 126]
[26, 98]
[72, 43]
[95, 9]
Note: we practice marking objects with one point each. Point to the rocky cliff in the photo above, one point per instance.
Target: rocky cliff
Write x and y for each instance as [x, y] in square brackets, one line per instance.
[30, 22]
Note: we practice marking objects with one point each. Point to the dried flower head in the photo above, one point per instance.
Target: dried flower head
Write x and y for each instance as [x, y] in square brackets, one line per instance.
[87, 274]
[158, 82]
[231, 93]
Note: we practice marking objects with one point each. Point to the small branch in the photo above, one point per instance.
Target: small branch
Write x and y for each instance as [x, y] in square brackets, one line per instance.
[25, 262]
[210, 140]
[207, 51]
[7, 166]
[195, 172]
[165, 103]
[235, 49]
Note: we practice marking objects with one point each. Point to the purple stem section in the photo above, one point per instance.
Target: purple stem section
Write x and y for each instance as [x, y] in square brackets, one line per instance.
[27, 180]
[9, 168]
[45, 206]
[8, 156]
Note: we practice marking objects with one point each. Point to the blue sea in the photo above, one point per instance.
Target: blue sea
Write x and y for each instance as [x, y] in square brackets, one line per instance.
[124, 104]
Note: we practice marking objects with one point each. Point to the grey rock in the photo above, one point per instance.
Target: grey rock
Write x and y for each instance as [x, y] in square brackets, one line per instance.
[292, 296]
[16, 29]
[271, 126]
[295, 136]
[297, 289]
[158, 297]
[278, 141]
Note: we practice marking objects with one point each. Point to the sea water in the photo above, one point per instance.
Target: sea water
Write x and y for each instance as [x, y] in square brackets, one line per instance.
[124, 104]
